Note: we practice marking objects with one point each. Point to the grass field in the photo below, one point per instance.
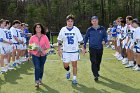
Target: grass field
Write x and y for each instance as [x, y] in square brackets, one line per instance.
[114, 78]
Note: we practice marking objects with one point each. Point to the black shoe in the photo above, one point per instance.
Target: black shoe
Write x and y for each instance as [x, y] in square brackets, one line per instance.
[98, 75]
[96, 79]
[40, 82]
[37, 85]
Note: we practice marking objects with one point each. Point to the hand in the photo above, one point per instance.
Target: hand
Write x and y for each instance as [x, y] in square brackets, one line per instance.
[21, 42]
[103, 42]
[59, 52]
[84, 51]
[10, 42]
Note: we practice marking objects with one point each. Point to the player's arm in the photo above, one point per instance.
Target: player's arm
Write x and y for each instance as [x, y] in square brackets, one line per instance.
[16, 39]
[4, 41]
[60, 41]
[86, 39]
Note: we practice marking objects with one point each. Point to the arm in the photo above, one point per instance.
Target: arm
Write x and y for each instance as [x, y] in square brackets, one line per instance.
[105, 36]
[80, 37]
[86, 39]
[60, 41]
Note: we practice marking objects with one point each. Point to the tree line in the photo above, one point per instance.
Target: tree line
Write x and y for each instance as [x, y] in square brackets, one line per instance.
[52, 13]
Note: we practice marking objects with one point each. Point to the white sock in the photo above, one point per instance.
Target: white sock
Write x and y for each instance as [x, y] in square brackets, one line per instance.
[74, 77]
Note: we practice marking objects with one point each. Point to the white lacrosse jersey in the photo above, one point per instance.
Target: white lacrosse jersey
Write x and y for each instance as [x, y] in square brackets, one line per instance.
[8, 36]
[70, 39]
[2, 36]
[137, 33]
[14, 33]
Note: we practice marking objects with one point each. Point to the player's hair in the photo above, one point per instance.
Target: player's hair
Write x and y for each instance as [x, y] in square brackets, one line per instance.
[7, 22]
[42, 28]
[2, 20]
[123, 21]
[22, 24]
[136, 21]
[111, 24]
[16, 22]
[70, 17]
[130, 18]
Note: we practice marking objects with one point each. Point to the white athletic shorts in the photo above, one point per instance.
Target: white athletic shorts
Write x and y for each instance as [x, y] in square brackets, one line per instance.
[17, 46]
[69, 57]
[23, 47]
[6, 49]
[2, 50]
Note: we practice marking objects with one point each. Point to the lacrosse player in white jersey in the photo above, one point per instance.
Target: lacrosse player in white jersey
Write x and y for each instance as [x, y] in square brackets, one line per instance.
[23, 44]
[130, 42]
[8, 47]
[119, 57]
[3, 45]
[70, 37]
[136, 47]
[16, 41]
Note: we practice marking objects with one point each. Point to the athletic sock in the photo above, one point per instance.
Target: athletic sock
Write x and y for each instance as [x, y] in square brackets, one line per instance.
[68, 68]
[74, 77]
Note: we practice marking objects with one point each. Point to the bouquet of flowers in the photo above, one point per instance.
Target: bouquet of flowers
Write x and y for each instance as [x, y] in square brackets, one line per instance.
[34, 47]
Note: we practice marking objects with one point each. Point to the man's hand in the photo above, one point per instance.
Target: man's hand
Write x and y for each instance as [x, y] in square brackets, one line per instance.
[103, 42]
[84, 51]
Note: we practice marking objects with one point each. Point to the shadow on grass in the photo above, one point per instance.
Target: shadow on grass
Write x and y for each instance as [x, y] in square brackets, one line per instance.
[1, 83]
[47, 89]
[118, 86]
[13, 75]
[83, 89]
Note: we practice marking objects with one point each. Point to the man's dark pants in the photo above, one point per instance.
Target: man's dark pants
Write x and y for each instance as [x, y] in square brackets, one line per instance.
[95, 58]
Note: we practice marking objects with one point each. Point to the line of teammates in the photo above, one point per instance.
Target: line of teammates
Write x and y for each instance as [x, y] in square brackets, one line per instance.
[13, 44]
[124, 35]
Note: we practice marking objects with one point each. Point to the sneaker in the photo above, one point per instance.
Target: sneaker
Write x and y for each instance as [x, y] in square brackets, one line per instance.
[137, 68]
[125, 62]
[0, 72]
[113, 47]
[96, 79]
[74, 82]
[40, 82]
[128, 66]
[116, 54]
[125, 59]
[18, 62]
[120, 58]
[37, 85]
[14, 64]
[4, 69]
[23, 59]
[131, 64]
[68, 75]
[10, 68]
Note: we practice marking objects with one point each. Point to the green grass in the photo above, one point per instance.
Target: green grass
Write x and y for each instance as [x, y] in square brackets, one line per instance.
[114, 78]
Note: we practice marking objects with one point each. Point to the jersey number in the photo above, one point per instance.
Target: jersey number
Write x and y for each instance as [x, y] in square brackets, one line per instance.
[70, 39]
